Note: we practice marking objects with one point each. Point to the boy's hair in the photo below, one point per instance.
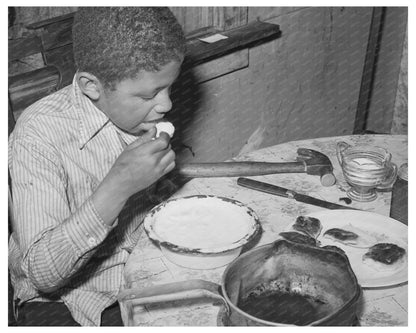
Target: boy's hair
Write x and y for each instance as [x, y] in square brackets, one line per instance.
[116, 43]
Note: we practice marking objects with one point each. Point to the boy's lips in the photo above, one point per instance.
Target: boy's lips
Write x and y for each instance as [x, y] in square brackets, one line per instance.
[154, 121]
[144, 126]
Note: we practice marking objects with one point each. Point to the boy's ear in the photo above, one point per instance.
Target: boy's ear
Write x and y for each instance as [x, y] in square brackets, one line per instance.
[89, 85]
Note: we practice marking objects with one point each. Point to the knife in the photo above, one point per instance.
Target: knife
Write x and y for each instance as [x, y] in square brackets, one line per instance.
[283, 192]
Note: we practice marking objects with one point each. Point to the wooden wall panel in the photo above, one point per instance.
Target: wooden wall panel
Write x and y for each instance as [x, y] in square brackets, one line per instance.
[193, 18]
[221, 66]
[400, 113]
[315, 72]
[23, 47]
[227, 18]
[380, 114]
[220, 18]
[266, 13]
[302, 85]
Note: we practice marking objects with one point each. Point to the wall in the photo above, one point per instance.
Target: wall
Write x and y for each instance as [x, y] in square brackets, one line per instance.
[389, 99]
[21, 17]
[303, 85]
[400, 116]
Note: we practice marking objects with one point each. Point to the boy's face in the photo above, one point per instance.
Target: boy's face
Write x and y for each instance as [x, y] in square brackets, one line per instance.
[144, 99]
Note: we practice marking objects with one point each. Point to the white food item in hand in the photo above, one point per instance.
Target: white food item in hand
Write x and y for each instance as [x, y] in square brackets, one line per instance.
[165, 126]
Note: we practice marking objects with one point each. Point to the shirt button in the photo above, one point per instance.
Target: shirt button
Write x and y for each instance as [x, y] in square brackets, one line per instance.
[92, 241]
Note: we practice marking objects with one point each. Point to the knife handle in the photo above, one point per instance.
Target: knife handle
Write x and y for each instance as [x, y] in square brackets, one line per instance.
[264, 187]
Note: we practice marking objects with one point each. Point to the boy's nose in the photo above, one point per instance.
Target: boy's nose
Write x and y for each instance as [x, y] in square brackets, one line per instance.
[164, 103]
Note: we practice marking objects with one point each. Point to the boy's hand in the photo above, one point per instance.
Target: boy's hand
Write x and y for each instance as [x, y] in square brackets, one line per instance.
[142, 163]
[138, 166]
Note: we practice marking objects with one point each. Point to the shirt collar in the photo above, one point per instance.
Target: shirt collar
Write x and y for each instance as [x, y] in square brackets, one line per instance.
[126, 137]
[91, 119]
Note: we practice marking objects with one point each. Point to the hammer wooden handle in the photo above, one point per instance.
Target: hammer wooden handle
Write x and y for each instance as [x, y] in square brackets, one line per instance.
[328, 178]
[237, 169]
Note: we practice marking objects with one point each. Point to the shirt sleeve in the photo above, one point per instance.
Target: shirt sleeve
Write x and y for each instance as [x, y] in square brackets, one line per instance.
[54, 241]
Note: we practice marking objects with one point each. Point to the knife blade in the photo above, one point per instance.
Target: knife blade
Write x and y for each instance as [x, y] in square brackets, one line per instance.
[286, 193]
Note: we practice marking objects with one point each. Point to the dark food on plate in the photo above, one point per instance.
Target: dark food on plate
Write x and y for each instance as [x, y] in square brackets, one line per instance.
[385, 253]
[310, 226]
[297, 237]
[334, 248]
[351, 236]
[341, 235]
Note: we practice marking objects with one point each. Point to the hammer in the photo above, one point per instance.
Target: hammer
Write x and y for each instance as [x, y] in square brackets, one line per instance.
[310, 161]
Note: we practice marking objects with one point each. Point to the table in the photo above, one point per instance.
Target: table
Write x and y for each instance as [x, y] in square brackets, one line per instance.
[147, 266]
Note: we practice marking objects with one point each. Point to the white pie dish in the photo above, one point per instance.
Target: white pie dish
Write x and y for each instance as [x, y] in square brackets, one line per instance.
[201, 231]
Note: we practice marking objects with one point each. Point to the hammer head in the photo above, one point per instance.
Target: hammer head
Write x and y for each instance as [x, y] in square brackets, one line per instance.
[317, 164]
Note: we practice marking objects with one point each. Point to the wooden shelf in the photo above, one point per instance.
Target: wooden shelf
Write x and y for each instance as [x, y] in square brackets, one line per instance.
[243, 37]
[57, 32]
[210, 60]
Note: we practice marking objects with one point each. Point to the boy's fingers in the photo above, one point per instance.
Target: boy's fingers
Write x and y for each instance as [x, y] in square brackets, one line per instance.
[145, 138]
[159, 144]
[169, 161]
[168, 157]
[165, 137]
[170, 167]
[145, 127]
[151, 144]
[149, 135]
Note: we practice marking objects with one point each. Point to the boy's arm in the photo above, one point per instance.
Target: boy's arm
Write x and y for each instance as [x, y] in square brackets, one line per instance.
[55, 242]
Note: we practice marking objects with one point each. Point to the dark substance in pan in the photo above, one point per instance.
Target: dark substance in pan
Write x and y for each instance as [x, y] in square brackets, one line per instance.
[284, 307]
[334, 248]
[297, 237]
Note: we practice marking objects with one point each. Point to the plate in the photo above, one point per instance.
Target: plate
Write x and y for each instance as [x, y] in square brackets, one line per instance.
[202, 224]
[382, 228]
[201, 231]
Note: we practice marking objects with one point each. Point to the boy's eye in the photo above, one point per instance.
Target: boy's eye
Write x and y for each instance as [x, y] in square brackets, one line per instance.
[147, 98]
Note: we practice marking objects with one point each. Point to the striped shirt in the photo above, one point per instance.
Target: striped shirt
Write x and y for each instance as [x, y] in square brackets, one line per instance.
[60, 250]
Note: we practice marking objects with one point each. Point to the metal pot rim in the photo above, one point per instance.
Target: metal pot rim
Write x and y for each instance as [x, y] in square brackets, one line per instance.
[353, 299]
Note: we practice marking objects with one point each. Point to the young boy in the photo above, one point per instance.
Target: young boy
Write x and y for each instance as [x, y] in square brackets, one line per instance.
[81, 162]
